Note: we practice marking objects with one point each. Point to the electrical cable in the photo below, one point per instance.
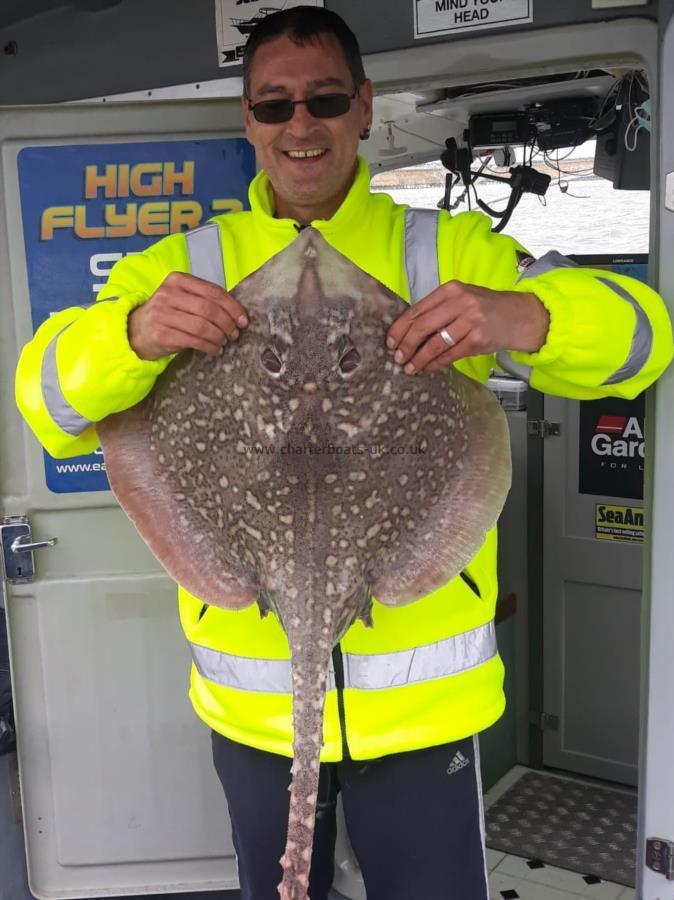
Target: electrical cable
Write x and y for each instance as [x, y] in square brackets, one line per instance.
[621, 94]
[476, 90]
[523, 179]
[632, 145]
[504, 216]
[613, 90]
[576, 172]
[632, 111]
[565, 189]
[485, 88]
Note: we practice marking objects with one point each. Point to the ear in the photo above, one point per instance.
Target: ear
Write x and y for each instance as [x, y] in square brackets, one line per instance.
[247, 117]
[365, 94]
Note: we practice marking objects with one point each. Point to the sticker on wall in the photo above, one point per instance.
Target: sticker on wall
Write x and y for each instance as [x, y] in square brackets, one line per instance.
[86, 206]
[235, 19]
[433, 18]
[619, 523]
[611, 451]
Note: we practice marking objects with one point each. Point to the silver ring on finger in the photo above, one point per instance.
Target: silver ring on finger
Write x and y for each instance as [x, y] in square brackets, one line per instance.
[446, 336]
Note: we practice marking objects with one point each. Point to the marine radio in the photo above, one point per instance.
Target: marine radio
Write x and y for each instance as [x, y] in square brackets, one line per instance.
[498, 129]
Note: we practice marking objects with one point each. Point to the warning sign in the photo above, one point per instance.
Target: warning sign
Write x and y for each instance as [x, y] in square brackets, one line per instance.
[435, 17]
[619, 523]
[235, 19]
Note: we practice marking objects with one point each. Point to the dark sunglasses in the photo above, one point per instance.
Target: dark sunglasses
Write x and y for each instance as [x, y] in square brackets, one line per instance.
[320, 106]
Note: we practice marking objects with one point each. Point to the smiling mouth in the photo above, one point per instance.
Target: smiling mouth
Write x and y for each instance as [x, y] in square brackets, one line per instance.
[316, 153]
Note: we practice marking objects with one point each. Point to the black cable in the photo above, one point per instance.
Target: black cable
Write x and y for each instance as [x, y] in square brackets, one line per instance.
[450, 183]
[550, 162]
[504, 216]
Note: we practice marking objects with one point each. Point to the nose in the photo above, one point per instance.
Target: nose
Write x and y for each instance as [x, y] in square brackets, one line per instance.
[302, 119]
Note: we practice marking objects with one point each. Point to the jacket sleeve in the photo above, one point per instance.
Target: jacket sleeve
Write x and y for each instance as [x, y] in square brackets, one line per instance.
[79, 366]
[609, 335]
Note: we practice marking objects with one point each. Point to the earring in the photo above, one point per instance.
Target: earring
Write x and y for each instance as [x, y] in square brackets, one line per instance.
[365, 133]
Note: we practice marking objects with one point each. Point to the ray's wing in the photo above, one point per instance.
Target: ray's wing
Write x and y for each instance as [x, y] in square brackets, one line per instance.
[182, 534]
[471, 492]
[188, 548]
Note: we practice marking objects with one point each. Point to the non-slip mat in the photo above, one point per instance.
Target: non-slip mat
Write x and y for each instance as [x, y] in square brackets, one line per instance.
[576, 826]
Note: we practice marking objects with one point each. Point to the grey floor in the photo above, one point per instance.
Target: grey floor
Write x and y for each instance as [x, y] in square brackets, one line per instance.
[13, 882]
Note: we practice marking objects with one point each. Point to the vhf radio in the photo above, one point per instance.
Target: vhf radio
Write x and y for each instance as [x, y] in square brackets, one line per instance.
[499, 129]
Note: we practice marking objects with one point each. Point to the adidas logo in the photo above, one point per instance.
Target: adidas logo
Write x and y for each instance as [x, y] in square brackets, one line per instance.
[459, 762]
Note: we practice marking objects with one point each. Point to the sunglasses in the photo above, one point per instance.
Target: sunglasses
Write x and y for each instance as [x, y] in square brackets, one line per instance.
[320, 106]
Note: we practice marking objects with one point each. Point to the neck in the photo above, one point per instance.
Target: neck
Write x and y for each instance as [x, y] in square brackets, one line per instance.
[286, 209]
[306, 214]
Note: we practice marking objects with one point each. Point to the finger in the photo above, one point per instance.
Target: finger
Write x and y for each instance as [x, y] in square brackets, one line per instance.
[440, 295]
[203, 307]
[440, 362]
[173, 340]
[436, 346]
[460, 350]
[422, 328]
[200, 287]
[404, 321]
[197, 327]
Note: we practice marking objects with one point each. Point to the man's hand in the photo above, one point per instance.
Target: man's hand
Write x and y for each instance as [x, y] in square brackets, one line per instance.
[477, 319]
[185, 312]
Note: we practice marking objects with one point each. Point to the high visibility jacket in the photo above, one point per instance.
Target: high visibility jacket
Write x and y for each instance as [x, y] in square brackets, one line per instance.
[426, 673]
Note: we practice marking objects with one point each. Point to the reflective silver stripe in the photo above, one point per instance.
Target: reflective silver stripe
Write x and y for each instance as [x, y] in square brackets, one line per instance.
[421, 252]
[57, 406]
[480, 800]
[553, 259]
[375, 671]
[450, 656]
[205, 253]
[512, 367]
[245, 673]
[642, 339]
[549, 261]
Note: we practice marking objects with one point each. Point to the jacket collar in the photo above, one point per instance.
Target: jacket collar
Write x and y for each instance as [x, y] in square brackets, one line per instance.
[261, 197]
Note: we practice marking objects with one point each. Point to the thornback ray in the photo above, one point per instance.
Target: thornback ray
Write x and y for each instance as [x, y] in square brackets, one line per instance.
[304, 470]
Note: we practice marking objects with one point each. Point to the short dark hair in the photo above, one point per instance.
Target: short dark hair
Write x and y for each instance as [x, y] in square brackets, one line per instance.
[303, 25]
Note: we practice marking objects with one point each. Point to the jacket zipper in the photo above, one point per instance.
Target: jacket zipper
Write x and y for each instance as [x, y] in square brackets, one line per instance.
[338, 665]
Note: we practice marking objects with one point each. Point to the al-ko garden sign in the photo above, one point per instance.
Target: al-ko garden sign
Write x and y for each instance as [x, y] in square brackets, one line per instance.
[436, 17]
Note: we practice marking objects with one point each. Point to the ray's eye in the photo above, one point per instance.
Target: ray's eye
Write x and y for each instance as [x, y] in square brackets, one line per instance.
[349, 357]
[271, 361]
[349, 362]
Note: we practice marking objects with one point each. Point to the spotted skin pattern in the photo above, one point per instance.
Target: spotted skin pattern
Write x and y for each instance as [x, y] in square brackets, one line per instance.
[304, 471]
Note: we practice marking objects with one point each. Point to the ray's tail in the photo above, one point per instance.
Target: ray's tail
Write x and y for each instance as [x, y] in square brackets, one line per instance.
[310, 675]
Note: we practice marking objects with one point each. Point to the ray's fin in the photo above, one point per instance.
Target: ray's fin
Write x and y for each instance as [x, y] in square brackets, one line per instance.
[470, 501]
[181, 541]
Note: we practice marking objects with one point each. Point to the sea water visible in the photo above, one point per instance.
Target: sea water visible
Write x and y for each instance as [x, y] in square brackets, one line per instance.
[590, 217]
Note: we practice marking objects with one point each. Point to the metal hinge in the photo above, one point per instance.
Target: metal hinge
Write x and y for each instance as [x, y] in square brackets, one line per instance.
[542, 428]
[16, 549]
[545, 721]
[660, 857]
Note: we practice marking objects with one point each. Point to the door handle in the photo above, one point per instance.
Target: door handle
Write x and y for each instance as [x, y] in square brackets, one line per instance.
[22, 544]
[16, 549]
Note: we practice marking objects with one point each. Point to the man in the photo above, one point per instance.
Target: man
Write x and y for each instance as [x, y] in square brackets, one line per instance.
[401, 749]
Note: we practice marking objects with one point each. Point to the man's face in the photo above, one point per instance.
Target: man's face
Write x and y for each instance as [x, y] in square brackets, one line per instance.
[281, 69]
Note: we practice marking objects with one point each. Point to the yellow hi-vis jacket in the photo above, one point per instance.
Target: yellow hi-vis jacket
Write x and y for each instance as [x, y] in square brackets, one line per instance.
[426, 673]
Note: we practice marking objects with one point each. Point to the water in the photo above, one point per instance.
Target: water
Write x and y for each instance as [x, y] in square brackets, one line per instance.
[591, 217]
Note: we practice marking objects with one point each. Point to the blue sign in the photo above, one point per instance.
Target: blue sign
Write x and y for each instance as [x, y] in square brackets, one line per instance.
[86, 206]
